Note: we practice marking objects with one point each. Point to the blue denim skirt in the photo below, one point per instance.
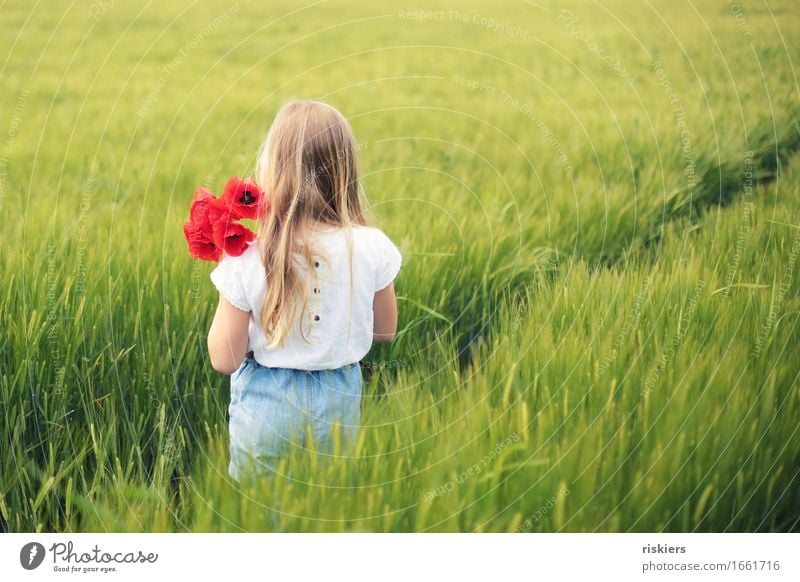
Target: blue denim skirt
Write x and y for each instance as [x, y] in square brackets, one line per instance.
[273, 410]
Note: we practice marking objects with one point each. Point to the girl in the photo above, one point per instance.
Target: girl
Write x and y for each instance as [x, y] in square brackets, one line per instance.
[303, 304]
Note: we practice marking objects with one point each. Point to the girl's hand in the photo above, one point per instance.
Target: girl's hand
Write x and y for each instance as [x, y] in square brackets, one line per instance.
[227, 338]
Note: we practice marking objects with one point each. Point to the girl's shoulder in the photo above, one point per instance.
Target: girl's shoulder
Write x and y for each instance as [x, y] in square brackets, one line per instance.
[239, 263]
[251, 253]
[371, 243]
[382, 253]
[236, 276]
[373, 234]
[371, 237]
[242, 266]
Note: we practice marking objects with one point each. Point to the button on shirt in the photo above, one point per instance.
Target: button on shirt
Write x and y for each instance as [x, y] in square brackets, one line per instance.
[338, 323]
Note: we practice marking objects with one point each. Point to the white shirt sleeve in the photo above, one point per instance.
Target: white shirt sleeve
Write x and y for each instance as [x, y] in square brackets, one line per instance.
[389, 261]
[227, 278]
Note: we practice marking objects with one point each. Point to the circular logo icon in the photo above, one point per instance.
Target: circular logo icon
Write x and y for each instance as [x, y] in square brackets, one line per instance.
[31, 555]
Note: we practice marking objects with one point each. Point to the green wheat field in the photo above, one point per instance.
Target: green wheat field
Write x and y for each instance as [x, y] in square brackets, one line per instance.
[598, 207]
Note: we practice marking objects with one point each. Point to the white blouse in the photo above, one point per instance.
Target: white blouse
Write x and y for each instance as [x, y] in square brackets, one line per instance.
[338, 325]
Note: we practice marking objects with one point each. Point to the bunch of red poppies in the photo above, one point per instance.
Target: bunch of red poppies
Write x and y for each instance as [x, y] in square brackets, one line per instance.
[212, 226]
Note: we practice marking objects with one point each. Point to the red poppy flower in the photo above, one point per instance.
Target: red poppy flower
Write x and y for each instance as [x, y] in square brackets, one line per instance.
[219, 212]
[212, 226]
[198, 213]
[233, 238]
[201, 246]
[243, 197]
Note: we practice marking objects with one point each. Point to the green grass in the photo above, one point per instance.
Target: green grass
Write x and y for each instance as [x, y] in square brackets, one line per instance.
[599, 313]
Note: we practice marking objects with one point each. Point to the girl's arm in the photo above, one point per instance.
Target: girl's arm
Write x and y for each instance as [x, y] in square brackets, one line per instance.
[384, 309]
[227, 338]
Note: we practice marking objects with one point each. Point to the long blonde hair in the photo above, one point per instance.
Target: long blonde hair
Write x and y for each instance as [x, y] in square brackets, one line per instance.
[308, 170]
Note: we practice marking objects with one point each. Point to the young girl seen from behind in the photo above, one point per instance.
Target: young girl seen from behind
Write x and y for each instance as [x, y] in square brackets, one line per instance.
[303, 304]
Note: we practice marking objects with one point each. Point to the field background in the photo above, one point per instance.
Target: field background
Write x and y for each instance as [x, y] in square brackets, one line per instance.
[597, 205]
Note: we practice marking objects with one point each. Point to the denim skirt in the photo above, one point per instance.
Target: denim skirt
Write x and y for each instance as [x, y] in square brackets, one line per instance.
[274, 410]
